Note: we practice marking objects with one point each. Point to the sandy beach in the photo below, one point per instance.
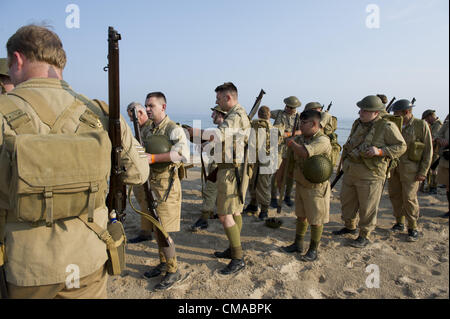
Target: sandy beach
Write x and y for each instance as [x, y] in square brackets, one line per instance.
[406, 270]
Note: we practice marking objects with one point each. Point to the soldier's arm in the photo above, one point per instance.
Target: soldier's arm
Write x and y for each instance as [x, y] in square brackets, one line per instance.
[179, 151]
[395, 145]
[427, 154]
[319, 146]
[274, 114]
[133, 157]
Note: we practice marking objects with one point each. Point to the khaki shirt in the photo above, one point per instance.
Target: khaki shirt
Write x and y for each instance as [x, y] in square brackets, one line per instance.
[434, 128]
[40, 255]
[364, 135]
[263, 146]
[318, 144]
[408, 167]
[285, 122]
[235, 125]
[327, 123]
[175, 134]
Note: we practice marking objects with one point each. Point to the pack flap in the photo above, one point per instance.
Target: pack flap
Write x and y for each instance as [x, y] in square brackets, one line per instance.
[63, 159]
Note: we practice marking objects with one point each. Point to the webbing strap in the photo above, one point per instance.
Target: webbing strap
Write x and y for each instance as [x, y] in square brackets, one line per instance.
[68, 112]
[45, 113]
[93, 189]
[18, 120]
[103, 234]
[48, 196]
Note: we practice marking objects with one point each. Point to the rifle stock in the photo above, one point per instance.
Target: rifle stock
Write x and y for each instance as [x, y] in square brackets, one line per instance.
[388, 107]
[256, 104]
[116, 199]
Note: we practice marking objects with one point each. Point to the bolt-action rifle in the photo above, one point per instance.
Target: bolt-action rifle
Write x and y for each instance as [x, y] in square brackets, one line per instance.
[117, 197]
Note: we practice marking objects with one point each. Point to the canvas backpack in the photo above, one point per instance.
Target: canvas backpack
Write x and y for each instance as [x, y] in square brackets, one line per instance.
[47, 177]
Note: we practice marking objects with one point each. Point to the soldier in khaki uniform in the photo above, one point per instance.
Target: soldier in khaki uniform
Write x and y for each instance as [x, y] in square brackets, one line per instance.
[265, 167]
[411, 170]
[165, 182]
[328, 124]
[443, 141]
[146, 226]
[284, 119]
[312, 200]
[372, 144]
[232, 179]
[38, 254]
[210, 189]
[435, 125]
[5, 82]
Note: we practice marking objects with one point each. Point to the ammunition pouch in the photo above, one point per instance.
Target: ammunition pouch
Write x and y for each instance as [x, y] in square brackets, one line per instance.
[415, 151]
[182, 172]
[115, 239]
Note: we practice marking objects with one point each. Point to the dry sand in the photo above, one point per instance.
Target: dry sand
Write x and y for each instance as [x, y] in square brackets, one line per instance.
[406, 270]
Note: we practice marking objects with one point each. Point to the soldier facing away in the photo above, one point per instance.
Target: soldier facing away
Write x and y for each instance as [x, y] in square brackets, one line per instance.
[284, 119]
[411, 170]
[372, 144]
[263, 168]
[41, 245]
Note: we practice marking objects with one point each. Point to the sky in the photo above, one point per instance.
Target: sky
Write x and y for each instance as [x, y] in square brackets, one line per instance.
[323, 50]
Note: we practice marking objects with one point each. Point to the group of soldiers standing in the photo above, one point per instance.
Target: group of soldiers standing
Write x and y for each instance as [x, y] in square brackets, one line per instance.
[35, 252]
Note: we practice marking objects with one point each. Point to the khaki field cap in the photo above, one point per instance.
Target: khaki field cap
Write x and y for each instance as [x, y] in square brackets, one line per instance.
[371, 103]
[218, 109]
[4, 66]
[292, 102]
[313, 105]
[427, 113]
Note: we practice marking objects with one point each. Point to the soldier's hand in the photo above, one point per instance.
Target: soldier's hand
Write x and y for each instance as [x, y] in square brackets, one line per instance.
[290, 142]
[420, 178]
[373, 151]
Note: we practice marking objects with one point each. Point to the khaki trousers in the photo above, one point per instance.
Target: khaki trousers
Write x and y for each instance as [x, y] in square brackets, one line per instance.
[260, 188]
[313, 203]
[228, 201]
[92, 286]
[360, 197]
[403, 195]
